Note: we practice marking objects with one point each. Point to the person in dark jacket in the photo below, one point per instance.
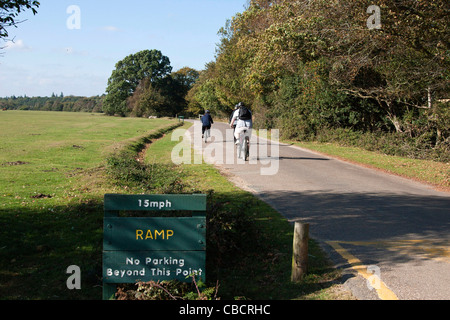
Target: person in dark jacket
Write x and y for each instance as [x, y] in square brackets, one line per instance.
[207, 121]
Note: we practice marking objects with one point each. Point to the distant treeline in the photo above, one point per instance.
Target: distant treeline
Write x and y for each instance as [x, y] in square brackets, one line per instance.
[53, 103]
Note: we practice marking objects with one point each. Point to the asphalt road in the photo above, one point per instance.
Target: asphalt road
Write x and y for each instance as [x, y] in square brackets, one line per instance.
[389, 235]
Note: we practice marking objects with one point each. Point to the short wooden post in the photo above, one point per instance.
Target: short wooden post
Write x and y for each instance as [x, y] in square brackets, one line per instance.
[300, 251]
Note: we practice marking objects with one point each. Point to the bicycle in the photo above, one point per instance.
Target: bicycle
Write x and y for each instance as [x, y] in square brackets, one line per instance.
[207, 134]
[244, 145]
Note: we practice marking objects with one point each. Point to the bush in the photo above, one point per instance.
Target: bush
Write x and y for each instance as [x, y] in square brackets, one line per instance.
[126, 171]
[161, 178]
[167, 290]
[394, 144]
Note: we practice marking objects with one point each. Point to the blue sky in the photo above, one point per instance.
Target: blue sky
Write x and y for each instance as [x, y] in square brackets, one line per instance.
[48, 57]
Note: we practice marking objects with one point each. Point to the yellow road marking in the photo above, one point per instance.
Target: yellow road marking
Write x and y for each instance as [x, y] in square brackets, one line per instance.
[430, 249]
[382, 290]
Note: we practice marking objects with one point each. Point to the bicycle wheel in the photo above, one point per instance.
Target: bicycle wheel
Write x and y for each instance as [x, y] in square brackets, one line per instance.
[239, 150]
[240, 147]
[247, 148]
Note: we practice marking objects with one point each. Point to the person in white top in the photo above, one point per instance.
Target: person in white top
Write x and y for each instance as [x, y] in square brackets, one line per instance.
[243, 118]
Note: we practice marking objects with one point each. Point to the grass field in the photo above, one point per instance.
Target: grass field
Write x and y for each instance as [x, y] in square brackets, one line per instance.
[51, 188]
[54, 173]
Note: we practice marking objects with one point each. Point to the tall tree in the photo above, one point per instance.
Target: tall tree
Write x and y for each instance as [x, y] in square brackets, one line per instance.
[401, 64]
[204, 93]
[186, 77]
[165, 97]
[146, 64]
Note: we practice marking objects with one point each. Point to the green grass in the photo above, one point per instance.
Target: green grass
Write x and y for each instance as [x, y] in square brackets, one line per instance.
[427, 171]
[62, 158]
[56, 149]
[434, 173]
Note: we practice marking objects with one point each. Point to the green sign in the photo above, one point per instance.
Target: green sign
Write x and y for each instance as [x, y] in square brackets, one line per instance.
[153, 248]
[118, 202]
[134, 234]
[128, 267]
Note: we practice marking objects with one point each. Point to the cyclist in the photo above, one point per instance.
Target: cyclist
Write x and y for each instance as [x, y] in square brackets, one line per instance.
[207, 121]
[231, 118]
[243, 118]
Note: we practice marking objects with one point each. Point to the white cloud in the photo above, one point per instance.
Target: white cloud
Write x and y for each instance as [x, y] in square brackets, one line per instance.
[18, 45]
[110, 29]
[72, 51]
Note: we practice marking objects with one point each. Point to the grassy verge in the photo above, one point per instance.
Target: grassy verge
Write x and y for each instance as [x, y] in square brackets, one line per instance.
[249, 246]
[427, 171]
[434, 173]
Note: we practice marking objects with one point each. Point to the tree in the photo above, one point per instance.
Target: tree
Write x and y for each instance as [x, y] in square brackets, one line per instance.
[402, 66]
[399, 64]
[165, 97]
[9, 11]
[147, 100]
[186, 77]
[203, 94]
[147, 64]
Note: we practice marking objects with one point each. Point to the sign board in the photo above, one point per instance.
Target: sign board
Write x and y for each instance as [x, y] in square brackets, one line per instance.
[126, 267]
[117, 202]
[153, 248]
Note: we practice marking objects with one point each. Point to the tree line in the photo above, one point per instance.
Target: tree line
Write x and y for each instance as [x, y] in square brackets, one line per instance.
[323, 70]
[53, 103]
[375, 76]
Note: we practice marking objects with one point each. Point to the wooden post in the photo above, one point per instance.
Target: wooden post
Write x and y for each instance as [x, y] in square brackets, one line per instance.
[300, 251]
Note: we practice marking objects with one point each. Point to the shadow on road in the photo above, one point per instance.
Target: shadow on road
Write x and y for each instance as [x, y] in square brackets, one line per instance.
[410, 226]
